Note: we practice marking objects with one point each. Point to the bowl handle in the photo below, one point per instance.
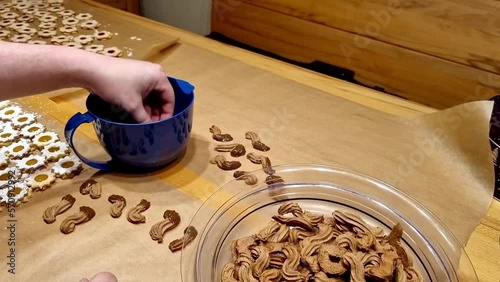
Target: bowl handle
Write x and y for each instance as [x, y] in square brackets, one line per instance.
[69, 130]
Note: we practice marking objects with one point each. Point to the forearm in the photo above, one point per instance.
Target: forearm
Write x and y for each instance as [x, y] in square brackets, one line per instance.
[31, 69]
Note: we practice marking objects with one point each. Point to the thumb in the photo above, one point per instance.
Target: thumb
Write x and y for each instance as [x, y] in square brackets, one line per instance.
[140, 114]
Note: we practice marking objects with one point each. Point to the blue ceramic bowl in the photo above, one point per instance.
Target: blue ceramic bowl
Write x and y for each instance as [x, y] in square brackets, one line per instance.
[134, 146]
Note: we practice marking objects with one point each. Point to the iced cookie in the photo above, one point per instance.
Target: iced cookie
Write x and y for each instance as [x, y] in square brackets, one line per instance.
[18, 150]
[48, 19]
[23, 120]
[37, 42]
[94, 48]
[27, 30]
[73, 44]
[44, 139]
[68, 29]
[66, 13]
[49, 26]
[55, 2]
[6, 175]
[4, 160]
[9, 15]
[67, 167]
[60, 39]
[26, 18]
[4, 104]
[18, 26]
[10, 112]
[30, 11]
[41, 180]
[84, 16]
[17, 194]
[23, 5]
[20, 38]
[84, 39]
[41, 14]
[32, 130]
[8, 135]
[92, 24]
[4, 34]
[55, 151]
[46, 33]
[55, 9]
[31, 164]
[41, 6]
[6, 22]
[15, 2]
[70, 21]
[6, 5]
[101, 35]
[112, 52]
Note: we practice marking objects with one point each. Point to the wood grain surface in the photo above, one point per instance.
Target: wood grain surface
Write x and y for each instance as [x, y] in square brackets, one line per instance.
[466, 32]
[408, 73]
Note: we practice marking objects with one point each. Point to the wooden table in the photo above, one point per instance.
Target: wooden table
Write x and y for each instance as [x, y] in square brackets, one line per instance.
[483, 246]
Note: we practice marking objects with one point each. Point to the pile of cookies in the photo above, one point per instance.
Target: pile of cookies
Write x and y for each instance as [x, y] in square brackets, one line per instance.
[31, 158]
[297, 245]
[49, 22]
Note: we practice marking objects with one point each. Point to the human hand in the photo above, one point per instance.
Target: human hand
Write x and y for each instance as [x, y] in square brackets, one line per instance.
[102, 277]
[141, 88]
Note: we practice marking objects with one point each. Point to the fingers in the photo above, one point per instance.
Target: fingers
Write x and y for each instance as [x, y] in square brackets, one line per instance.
[84, 280]
[140, 115]
[104, 277]
[168, 97]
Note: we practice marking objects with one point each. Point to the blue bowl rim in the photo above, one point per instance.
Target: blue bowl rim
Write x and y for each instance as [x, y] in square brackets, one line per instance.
[139, 124]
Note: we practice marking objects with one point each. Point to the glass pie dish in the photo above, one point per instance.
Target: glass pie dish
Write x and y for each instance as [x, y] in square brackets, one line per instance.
[238, 210]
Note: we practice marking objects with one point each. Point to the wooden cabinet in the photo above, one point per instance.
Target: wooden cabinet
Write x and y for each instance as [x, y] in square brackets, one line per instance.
[131, 6]
[436, 52]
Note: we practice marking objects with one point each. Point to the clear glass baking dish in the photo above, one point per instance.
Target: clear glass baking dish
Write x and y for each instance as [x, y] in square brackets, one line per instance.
[237, 210]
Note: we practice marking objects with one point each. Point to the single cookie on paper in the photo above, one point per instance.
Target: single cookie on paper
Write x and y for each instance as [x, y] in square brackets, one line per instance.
[41, 180]
[94, 48]
[83, 39]
[102, 34]
[37, 42]
[18, 150]
[44, 139]
[23, 119]
[55, 151]
[92, 24]
[74, 45]
[10, 112]
[18, 193]
[8, 135]
[112, 52]
[32, 130]
[20, 38]
[67, 167]
[31, 164]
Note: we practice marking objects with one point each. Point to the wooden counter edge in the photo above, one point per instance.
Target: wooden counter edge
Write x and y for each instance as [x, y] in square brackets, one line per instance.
[355, 93]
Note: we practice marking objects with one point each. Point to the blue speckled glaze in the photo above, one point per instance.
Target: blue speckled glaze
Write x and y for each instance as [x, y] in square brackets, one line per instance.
[137, 146]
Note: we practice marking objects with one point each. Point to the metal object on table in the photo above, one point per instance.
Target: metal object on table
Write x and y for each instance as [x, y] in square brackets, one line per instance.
[495, 143]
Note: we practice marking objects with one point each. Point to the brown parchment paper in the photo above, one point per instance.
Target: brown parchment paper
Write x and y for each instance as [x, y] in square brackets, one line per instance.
[443, 160]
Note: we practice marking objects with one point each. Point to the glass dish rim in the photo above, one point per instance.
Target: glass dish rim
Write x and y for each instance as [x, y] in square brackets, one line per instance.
[340, 170]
